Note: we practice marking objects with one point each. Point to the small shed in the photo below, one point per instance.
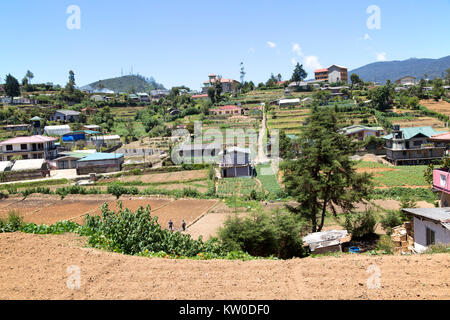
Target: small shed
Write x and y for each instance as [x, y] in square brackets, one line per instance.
[288, 102]
[100, 163]
[326, 241]
[56, 130]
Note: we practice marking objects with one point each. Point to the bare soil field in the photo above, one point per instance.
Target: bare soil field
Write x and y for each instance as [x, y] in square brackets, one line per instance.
[35, 267]
[168, 177]
[189, 210]
[439, 106]
[52, 209]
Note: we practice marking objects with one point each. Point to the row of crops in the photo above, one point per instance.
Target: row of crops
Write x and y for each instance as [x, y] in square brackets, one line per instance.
[236, 186]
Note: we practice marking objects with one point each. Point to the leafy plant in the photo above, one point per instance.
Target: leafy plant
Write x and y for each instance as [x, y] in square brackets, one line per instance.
[361, 224]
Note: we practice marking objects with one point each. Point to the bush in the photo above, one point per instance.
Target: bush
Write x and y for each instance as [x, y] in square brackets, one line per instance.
[12, 224]
[118, 190]
[362, 224]
[134, 233]
[190, 193]
[30, 191]
[386, 245]
[391, 220]
[438, 248]
[264, 234]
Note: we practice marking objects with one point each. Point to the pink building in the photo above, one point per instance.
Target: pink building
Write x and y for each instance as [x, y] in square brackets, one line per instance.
[33, 147]
[226, 111]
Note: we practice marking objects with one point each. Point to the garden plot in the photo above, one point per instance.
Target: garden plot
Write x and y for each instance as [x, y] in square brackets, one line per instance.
[237, 186]
[188, 209]
[63, 210]
[409, 121]
[438, 106]
[180, 176]
[394, 176]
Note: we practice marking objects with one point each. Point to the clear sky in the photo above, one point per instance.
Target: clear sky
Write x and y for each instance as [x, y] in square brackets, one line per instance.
[180, 42]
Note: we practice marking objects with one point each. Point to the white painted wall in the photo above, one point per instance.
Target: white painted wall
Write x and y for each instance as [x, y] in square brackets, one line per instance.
[442, 235]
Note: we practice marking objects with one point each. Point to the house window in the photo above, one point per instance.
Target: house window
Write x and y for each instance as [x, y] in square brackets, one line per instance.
[418, 143]
[23, 147]
[9, 147]
[430, 237]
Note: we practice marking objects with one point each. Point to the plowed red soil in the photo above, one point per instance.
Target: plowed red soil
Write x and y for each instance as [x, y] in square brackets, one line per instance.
[35, 267]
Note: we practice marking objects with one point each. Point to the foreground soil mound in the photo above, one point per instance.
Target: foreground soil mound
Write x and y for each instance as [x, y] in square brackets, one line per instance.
[36, 267]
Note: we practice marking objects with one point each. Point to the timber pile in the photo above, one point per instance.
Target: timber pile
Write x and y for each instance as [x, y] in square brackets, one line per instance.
[403, 238]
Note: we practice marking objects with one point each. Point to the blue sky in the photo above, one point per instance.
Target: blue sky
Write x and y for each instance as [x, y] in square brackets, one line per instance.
[181, 42]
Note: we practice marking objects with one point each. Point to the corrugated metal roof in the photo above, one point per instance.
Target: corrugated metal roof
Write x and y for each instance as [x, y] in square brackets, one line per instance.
[4, 165]
[29, 139]
[409, 133]
[282, 101]
[357, 128]
[69, 112]
[22, 165]
[102, 156]
[441, 215]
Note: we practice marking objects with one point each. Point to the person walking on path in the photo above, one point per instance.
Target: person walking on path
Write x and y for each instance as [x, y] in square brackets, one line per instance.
[183, 225]
[170, 225]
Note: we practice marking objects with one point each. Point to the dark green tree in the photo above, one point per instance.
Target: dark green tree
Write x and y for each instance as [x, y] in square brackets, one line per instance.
[438, 90]
[70, 87]
[11, 87]
[381, 97]
[299, 73]
[324, 178]
[29, 75]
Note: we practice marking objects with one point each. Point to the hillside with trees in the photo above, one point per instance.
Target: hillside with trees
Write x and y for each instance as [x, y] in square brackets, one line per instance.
[393, 70]
[130, 84]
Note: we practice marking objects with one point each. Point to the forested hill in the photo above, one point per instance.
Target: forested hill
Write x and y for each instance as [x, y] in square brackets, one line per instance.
[394, 70]
[129, 83]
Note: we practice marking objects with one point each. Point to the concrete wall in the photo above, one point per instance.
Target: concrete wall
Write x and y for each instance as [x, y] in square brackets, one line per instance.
[442, 235]
[102, 166]
[235, 172]
[444, 200]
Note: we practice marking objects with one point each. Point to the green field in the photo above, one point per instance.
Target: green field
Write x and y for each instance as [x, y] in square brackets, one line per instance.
[395, 176]
[268, 181]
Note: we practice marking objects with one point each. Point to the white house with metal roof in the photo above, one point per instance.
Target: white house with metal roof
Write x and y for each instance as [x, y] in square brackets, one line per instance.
[431, 226]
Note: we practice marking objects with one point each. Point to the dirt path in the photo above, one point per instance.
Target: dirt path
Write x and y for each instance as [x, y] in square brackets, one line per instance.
[35, 267]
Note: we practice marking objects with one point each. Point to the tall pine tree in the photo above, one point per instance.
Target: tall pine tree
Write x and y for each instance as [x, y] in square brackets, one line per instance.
[324, 178]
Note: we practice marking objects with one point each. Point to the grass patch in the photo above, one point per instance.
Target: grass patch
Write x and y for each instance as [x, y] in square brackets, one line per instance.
[268, 181]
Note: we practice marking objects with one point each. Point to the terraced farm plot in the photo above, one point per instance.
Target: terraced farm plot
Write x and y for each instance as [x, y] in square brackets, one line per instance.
[439, 106]
[410, 121]
[75, 208]
[289, 120]
[158, 178]
[237, 186]
[394, 176]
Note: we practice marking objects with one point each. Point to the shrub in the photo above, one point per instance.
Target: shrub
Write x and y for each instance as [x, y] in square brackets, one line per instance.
[264, 234]
[119, 190]
[438, 248]
[133, 233]
[391, 220]
[386, 245]
[12, 224]
[30, 191]
[190, 193]
[361, 224]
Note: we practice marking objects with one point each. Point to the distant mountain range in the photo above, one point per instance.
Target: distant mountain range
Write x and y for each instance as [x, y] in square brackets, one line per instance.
[125, 84]
[394, 70]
